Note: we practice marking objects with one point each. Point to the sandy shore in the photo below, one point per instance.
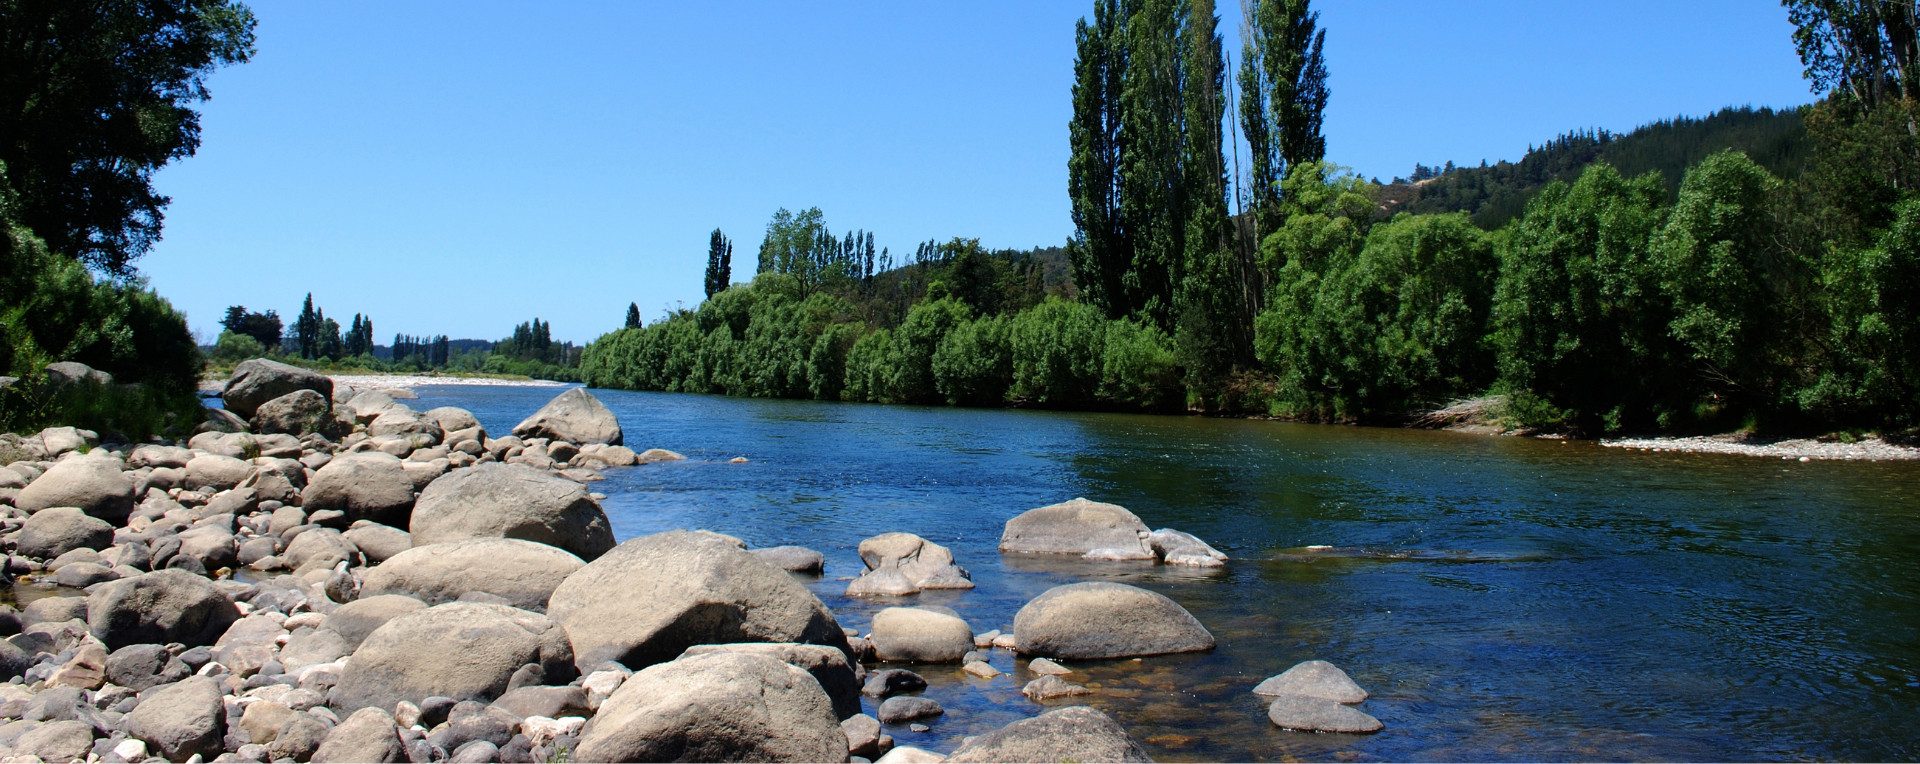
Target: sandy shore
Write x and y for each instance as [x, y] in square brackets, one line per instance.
[1871, 448]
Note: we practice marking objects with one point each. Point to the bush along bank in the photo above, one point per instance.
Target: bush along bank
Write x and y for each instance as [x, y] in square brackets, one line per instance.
[420, 590]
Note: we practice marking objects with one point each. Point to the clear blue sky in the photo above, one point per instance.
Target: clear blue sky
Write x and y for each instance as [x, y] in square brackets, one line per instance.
[460, 167]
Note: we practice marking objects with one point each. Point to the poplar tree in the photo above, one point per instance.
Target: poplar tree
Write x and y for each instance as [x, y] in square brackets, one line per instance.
[1152, 179]
[719, 267]
[633, 314]
[1283, 90]
[1212, 318]
[1100, 250]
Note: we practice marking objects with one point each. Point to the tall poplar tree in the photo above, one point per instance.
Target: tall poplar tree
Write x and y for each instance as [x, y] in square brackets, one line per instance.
[1100, 250]
[1152, 180]
[1283, 91]
[1212, 321]
[720, 263]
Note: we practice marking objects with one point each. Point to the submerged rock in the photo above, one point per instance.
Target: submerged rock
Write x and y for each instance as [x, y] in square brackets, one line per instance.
[1307, 714]
[1077, 733]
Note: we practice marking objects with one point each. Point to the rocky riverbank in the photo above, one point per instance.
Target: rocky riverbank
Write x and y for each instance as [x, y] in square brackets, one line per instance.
[328, 575]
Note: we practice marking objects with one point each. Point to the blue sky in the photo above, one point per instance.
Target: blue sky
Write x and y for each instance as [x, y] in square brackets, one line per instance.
[460, 167]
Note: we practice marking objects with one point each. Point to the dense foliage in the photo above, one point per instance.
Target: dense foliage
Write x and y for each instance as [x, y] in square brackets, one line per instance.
[95, 97]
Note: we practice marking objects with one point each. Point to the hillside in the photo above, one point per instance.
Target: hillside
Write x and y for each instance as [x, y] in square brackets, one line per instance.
[1495, 194]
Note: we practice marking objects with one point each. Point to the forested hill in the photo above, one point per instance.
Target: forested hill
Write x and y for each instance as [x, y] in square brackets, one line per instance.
[1496, 194]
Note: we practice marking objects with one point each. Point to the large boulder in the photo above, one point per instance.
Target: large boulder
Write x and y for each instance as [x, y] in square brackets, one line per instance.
[902, 563]
[65, 740]
[920, 636]
[1100, 619]
[1078, 527]
[361, 617]
[298, 413]
[575, 416]
[722, 706]
[511, 501]
[1075, 733]
[181, 720]
[522, 572]
[826, 665]
[164, 606]
[257, 381]
[651, 598]
[62, 373]
[460, 650]
[94, 484]
[1314, 679]
[367, 405]
[452, 418]
[217, 472]
[52, 532]
[367, 485]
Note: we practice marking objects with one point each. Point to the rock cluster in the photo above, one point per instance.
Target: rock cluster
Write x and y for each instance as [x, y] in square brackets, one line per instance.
[1106, 532]
[1316, 696]
[399, 568]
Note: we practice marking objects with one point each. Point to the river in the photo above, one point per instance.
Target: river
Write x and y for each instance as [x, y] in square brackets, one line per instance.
[1501, 598]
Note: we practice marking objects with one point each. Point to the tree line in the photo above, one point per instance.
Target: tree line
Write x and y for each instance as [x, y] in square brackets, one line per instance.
[1753, 268]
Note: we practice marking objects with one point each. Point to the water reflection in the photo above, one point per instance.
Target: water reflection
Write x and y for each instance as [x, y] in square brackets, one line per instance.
[1501, 598]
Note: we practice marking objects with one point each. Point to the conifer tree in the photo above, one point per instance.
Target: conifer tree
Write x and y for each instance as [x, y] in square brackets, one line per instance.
[719, 265]
[633, 315]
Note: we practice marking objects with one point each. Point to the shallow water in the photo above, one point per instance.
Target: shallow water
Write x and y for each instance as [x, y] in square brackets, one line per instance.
[1501, 598]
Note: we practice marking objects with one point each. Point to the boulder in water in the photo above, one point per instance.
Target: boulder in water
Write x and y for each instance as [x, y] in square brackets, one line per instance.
[574, 416]
[257, 381]
[1100, 619]
[1078, 527]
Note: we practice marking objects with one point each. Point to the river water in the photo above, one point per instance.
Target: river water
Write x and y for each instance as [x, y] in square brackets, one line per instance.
[1501, 598]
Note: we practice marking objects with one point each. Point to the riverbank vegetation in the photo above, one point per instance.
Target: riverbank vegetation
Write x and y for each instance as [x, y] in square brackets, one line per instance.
[1752, 269]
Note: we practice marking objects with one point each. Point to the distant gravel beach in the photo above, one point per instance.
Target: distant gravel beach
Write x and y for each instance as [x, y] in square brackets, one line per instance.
[1808, 449]
[409, 381]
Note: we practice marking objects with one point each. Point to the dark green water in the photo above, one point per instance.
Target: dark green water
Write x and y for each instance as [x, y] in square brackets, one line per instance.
[1502, 598]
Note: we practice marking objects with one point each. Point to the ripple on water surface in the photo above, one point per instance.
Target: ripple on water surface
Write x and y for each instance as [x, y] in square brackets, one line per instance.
[1501, 598]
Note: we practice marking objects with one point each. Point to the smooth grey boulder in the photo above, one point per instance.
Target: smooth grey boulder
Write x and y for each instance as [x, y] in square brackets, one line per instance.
[257, 381]
[1308, 714]
[512, 501]
[156, 456]
[181, 720]
[1100, 619]
[357, 619]
[793, 559]
[1075, 733]
[461, 650]
[210, 473]
[725, 706]
[574, 416]
[367, 735]
[54, 610]
[55, 531]
[1078, 527]
[379, 542]
[904, 634]
[367, 405]
[902, 563]
[299, 413]
[159, 607]
[139, 667]
[1314, 679]
[651, 598]
[66, 740]
[366, 485]
[522, 572]
[94, 484]
[307, 647]
[452, 418]
[319, 548]
[1051, 686]
[901, 709]
[407, 423]
[826, 665]
[74, 372]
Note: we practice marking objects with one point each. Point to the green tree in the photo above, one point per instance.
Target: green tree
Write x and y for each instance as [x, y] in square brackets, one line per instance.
[914, 343]
[1872, 373]
[973, 366]
[1058, 353]
[1210, 313]
[633, 316]
[1153, 197]
[1283, 91]
[1100, 250]
[264, 328]
[720, 263]
[95, 97]
[1864, 51]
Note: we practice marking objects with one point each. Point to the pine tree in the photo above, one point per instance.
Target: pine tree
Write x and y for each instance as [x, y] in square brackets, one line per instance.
[306, 330]
[719, 264]
[633, 315]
